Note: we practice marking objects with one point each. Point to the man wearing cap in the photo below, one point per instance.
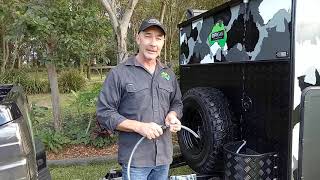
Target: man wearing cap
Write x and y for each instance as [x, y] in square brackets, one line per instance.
[138, 97]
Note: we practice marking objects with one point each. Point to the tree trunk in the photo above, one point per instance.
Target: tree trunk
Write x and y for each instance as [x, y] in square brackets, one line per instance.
[15, 54]
[120, 25]
[134, 35]
[122, 53]
[170, 32]
[3, 55]
[34, 60]
[81, 68]
[19, 62]
[88, 70]
[6, 54]
[163, 11]
[165, 51]
[53, 81]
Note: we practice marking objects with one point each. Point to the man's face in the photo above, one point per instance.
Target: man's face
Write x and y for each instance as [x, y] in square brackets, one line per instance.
[150, 42]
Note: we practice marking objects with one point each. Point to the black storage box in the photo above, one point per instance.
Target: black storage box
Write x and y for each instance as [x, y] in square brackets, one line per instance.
[248, 164]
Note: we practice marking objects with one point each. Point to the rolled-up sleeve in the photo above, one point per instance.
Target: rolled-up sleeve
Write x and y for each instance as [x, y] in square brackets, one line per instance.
[108, 103]
[176, 102]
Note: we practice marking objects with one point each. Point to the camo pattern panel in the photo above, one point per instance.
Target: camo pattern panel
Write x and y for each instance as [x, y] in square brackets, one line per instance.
[259, 30]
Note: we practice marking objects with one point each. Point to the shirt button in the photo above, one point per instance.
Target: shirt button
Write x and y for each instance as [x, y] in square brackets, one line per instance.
[156, 110]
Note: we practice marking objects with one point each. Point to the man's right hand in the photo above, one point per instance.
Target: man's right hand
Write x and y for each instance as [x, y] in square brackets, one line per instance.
[149, 130]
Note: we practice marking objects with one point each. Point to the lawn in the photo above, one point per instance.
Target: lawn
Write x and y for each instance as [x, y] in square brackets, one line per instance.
[93, 171]
[97, 171]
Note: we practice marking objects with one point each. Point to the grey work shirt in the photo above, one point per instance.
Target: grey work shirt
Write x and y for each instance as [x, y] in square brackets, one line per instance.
[131, 92]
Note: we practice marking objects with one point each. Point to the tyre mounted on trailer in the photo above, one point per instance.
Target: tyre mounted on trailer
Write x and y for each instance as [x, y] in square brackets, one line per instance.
[206, 111]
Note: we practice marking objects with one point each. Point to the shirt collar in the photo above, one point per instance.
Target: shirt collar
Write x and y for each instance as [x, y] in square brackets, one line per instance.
[132, 61]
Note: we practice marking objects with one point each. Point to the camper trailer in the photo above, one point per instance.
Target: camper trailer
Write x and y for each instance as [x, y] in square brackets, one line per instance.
[249, 74]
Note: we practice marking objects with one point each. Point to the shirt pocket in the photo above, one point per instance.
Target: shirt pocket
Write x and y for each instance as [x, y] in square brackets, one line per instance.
[136, 96]
[135, 88]
[165, 90]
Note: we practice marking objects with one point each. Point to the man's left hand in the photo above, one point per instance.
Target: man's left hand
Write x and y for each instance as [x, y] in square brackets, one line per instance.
[173, 122]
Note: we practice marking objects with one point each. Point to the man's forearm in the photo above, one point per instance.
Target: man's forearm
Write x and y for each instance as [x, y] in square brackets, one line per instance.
[128, 125]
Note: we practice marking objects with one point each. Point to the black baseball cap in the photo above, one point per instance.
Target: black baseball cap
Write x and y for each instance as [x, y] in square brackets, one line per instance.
[151, 22]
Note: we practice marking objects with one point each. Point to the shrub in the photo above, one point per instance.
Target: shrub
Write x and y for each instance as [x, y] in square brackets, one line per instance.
[32, 84]
[53, 141]
[71, 80]
[86, 100]
[40, 117]
[35, 85]
[79, 123]
[80, 128]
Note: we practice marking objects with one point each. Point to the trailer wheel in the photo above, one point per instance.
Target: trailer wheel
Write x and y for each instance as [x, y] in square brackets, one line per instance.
[206, 111]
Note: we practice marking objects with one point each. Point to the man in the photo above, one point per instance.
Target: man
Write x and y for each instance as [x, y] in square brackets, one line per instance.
[138, 97]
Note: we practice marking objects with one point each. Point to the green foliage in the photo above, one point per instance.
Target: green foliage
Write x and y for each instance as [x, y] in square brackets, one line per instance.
[176, 70]
[80, 129]
[66, 33]
[80, 126]
[53, 141]
[32, 84]
[39, 117]
[100, 142]
[35, 85]
[86, 100]
[78, 122]
[71, 80]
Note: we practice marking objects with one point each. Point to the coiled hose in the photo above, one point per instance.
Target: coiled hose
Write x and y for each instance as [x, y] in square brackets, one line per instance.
[142, 138]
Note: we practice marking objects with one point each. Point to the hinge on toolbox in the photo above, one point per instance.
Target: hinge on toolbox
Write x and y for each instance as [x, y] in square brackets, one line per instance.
[276, 167]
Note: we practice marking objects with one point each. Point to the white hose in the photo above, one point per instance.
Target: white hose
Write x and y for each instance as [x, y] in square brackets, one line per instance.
[142, 138]
[190, 130]
[244, 143]
[130, 159]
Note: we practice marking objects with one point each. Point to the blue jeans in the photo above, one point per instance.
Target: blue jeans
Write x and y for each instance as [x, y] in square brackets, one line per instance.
[146, 173]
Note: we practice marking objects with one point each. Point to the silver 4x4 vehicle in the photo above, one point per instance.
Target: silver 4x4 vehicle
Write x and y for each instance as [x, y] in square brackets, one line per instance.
[20, 156]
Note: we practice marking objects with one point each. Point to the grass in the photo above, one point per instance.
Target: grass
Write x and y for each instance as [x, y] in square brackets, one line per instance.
[44, 100]
[89, 172]
[183, 170]
[97, 171]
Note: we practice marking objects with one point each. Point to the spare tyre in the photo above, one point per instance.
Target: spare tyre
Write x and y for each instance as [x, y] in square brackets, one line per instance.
[206, 111]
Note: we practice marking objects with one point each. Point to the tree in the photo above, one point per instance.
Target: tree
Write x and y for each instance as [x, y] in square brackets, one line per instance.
[69, 33]
[10, 41]
[120, 19]
[65, 33]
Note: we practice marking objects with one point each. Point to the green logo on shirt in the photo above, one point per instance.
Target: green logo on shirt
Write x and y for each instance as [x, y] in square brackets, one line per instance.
[165, 76]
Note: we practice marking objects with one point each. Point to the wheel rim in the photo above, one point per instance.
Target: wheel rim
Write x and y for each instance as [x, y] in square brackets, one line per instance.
[192, 119]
